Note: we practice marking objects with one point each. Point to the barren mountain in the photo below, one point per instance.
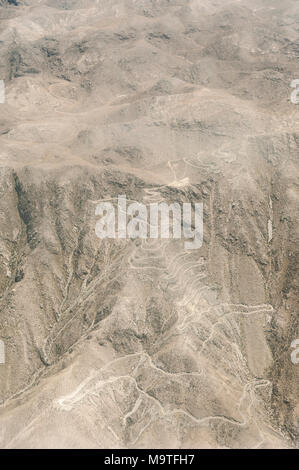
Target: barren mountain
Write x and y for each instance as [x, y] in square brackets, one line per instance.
[130, 343]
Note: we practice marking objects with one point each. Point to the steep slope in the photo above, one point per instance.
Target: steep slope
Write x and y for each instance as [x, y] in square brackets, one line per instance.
[141, 343]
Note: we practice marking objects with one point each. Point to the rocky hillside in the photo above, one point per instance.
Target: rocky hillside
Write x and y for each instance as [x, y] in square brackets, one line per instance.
[123, 343]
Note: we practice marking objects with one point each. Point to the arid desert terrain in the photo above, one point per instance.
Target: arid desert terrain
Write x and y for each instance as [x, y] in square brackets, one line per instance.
[141, 343]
